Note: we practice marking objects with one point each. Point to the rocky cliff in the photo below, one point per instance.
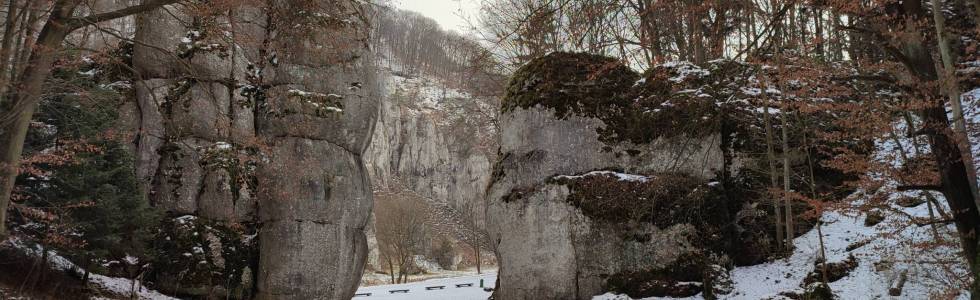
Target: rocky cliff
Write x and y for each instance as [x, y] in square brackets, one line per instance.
[256, 119]
[609, 180]
[548, 245]
[433, 140]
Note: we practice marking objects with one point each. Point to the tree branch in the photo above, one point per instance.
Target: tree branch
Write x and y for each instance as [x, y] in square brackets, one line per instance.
[148, 5]
[936, 221]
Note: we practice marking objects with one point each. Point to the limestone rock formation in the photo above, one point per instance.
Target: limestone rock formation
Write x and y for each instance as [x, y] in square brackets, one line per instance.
[417, 145]
[609, 180]
[248, 122]
[434, 152]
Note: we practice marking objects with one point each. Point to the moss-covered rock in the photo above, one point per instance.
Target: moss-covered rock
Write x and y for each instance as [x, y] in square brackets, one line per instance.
[694, 139]
[663, 200]
[818, 291]
[571, 83]
[692, 274]
[199, 258]
[835, 271]
[240, 163]
[873, 218]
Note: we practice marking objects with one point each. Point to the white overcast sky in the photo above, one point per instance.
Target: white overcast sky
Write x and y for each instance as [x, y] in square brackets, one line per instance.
[449, 13]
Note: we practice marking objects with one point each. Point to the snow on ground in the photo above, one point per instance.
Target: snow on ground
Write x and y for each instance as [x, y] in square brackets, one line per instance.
[971, 110]
[427, 93]
[620, 176]
[889, 250]
[416, 290]
[114, 285]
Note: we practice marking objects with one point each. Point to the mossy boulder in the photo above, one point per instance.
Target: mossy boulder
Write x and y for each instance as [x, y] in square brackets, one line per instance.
[663, 200]
[873, 218]
[818, 291]
[835, 270]
[199, 258]
[571, 83]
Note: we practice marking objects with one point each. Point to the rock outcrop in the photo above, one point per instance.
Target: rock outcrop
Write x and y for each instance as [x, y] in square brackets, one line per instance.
[549, 243]
[257, 118]
[609, 180]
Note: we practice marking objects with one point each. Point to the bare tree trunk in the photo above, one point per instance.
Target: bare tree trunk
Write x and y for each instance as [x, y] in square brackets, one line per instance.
[949, 79]
[813, 194]
[478, 262]
[953, 173]
[18, 43]
[790, 234]
[391, 270]
[838, 37]
[25, 99]
[21, 60]
[976, 13]
[10, 25]
[771, 158]
[818, 31]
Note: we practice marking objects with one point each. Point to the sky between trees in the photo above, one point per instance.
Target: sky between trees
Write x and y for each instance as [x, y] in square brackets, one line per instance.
[451, 14]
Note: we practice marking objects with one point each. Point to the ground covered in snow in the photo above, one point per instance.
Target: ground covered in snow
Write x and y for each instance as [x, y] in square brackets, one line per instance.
[883, 252]
[417, 290]
[109, 287]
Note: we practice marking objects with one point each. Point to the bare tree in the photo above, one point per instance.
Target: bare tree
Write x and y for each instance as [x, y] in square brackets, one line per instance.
[400, 224]
[463, 225]
[19, 103]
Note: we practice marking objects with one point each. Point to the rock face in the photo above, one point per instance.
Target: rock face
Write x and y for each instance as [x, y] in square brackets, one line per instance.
[254, 125]
[424, 142]
[594, 191]
[433, 149]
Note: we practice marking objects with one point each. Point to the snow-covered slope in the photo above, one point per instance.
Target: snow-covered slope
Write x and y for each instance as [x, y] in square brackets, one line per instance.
[903, 243]
[891, 247]
[113, 287]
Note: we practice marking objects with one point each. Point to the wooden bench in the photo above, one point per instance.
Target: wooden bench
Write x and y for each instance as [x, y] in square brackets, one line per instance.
[464, 285]
[488, 289]
[398, 291]
[363, 295]
[438, 287]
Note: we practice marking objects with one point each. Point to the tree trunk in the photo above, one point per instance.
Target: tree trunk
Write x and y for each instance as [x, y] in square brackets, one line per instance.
[391, 270]
[771, 158]
[790, 234]
[976, 13]
[21, 60]
[478, 263]
[18, 112]
[10, 25]
[953, 173]
[26, 97]
[953, 92]
[818, 31]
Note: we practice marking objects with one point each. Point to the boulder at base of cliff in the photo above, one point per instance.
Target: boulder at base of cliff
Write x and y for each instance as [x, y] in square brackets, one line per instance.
[194, 257]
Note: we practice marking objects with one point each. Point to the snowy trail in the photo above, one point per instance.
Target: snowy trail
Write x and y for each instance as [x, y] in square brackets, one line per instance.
[416, 290]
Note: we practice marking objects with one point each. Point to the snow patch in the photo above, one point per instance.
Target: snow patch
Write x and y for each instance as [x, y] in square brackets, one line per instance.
[621, 176]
